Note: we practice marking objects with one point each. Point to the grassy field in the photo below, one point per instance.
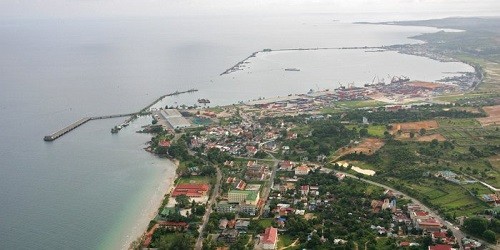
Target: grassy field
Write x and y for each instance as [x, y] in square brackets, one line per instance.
[265, 223]
[460, 123]
[452, 198]
[373, 130]
[284, 241]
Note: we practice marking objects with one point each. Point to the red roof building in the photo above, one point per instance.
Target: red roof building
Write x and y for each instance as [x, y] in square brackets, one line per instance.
[164, 143]
[439, 235]
[440, 247]
[430, 224]
[241, 185]
[286, 166]
[191, 190]
[269, 238]
[174, 225]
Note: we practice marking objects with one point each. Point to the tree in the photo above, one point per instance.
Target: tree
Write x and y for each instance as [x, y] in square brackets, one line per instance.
[489, 236]
[422, 131]
[475, 225]
[179, 242]
[434, 143]
[363, 132]
[412, 134]
[182, 201]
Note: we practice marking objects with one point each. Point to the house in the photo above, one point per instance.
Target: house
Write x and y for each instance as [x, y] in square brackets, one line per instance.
[286, 166]
[418, 215]
[242, 225]
[255, 171]
[438, 235]
[304, 190]
[223, 223]
[302, 170]
[252, 150]
[191, 190]
[430, 224]
[241, 185]
[314, 190]
[164, 143]
[340, 176]
[269, 238]
[229, 235]
[174, 225]
[440, 247]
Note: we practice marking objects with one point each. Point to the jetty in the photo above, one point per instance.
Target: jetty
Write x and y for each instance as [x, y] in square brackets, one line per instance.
[134, 115]
[65, 130]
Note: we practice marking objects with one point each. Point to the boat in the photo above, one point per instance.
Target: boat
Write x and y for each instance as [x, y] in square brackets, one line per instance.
[400, 79]
[292, 69]
[115, 129]
[203, 101]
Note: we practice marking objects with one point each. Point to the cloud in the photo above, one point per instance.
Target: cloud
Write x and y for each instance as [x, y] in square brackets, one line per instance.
[113, 8]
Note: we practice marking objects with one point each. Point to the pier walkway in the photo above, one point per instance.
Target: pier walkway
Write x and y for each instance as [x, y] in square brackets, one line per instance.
[65, 130]
[84, 120]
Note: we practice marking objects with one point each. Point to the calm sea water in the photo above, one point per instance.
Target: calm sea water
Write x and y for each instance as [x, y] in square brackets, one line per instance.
[87, 189]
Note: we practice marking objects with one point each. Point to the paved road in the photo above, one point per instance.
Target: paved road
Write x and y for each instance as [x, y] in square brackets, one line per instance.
[215, 194]
[267, 188]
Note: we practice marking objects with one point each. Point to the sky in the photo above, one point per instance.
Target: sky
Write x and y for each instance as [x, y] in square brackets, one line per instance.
[158, 8]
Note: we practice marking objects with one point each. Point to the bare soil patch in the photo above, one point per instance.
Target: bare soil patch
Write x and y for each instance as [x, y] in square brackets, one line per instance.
[493, 116]
[368, 146]
[415, 126]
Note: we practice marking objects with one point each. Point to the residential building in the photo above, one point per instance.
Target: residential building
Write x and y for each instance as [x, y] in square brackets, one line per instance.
[223, 223]
[269, 238]
[304, 190]
[440, 247]
[178, 226]
[242, 225]
[302, 170]
[225, 207]
[286, 166]
[229, 235]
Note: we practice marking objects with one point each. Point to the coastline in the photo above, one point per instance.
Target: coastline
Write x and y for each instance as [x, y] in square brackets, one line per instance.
[151, 210]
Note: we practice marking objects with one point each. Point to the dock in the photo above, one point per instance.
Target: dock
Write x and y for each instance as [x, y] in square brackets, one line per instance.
[84, 120]
[65, 130]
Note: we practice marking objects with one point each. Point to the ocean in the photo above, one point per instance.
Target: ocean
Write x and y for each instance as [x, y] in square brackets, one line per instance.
[93, 190]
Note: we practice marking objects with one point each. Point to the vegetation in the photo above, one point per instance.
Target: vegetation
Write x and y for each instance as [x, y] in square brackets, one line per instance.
[482, 228]
[324, 137]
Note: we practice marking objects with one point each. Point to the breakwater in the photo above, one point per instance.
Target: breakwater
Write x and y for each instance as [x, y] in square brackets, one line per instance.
[239, 65]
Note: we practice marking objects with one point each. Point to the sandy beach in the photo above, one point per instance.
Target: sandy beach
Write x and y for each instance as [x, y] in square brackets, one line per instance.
[150, 209]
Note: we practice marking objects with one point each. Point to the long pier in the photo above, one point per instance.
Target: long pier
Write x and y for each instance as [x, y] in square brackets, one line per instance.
[65, 130]
[84, 120]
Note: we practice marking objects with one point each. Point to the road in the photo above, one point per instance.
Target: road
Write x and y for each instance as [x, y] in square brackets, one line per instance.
[213, 197]
[456, 232]
[267, 188]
